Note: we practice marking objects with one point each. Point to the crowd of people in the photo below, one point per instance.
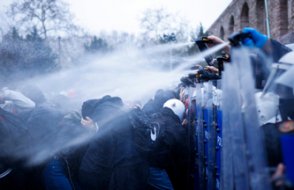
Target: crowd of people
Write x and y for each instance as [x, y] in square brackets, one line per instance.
[109, 145]
[106, 145]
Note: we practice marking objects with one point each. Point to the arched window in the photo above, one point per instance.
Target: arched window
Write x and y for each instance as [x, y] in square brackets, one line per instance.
[222, 32]
[245, 16]
[283, 15]
[232, 25]
[260, 15]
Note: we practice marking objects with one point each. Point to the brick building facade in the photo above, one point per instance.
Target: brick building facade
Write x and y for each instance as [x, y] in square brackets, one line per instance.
[241, 13]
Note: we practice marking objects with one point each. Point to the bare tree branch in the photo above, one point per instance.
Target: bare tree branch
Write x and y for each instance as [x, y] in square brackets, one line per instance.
[156, 22]
[48, 16]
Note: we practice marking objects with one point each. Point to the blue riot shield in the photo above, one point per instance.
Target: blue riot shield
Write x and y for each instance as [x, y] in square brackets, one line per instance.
[209, 116]
[218, 145]
[206, 138]
[200, 154]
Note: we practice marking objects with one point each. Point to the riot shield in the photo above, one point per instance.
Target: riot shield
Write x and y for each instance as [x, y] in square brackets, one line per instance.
[201, 174]
[234, 168]
[206, 137]
[210, 136]
[243, 163]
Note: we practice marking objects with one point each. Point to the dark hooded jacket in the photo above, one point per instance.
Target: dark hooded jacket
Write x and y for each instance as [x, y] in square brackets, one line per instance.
[171, 149]
[13, 146]
[112, 160]
[43, 127]
[14, 139]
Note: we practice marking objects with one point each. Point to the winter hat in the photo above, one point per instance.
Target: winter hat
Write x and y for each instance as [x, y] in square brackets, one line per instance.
[97, 108]
[176, 106]
[88, 107]
[107, 107]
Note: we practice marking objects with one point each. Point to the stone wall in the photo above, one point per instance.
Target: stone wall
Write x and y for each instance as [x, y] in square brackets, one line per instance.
[241, 13]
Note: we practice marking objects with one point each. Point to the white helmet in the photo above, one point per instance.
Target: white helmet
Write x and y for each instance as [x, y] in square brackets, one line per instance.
[287, 78]
[280, 82]
[176, 106]
[288, 58]
[282, 73]
[267, 106]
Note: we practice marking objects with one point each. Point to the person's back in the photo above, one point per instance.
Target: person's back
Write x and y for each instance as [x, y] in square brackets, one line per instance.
[129, 167]
[96, 165]
[169, 163]
[171, 150]
[112, 161]
[43, 123]
[14, 143]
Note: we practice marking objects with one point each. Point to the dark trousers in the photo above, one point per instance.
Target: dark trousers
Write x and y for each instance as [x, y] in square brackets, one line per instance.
[55, 176]
[158, 179]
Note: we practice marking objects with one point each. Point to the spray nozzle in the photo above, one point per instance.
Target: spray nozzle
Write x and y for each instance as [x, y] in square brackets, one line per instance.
[237, 38]
[202, 45]
[206, 40]
[220, 60]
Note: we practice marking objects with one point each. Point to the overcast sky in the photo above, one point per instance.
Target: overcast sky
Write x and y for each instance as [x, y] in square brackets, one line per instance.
[123, 15]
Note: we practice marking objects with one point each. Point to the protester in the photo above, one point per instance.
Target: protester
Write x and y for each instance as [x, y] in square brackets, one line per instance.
[14, 141]
[42, 122]
[169, 161]
[61, 172]
[109, 146]
[111, 160]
